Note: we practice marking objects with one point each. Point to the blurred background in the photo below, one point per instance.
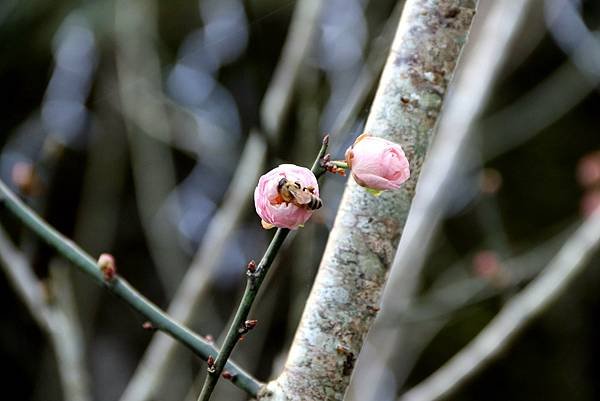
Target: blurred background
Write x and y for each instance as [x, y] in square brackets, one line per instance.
[139, 128]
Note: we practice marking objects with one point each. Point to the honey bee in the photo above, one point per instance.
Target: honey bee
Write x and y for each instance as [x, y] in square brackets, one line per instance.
[295, 193]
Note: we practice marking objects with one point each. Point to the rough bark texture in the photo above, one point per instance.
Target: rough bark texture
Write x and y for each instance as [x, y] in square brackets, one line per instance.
[362, 244]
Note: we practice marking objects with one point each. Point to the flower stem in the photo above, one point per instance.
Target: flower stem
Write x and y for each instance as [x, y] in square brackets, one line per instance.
[340, 164]
[122, 289]
[239, 325]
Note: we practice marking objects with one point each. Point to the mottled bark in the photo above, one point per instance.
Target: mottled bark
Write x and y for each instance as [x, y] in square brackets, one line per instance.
[363, 241]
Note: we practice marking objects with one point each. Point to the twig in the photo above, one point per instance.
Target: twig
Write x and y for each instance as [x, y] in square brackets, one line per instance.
[516, 314]
[275, 105]
[22, 279]
[574, 80]
[256, 275]
[120, 287]
[346, 293]
[66, 335]
[148, 131]
[57, 319]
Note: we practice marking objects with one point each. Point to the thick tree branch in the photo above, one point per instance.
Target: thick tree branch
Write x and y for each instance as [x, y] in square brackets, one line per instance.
[516, 314]
[362, 244]
[485, 55]
[120, 287]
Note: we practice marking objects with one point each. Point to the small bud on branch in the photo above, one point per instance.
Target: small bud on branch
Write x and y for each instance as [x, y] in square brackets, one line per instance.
[251, 266]
[227, 375]
[210, 361]
[148, 326]
[106, 263]
[247, 326]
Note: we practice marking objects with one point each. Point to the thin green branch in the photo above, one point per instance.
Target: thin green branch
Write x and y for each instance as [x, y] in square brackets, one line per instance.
[121, 288]
[340, 164]
[239, 326]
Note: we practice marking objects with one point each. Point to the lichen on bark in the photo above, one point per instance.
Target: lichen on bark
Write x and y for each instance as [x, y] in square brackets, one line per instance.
[347, 290]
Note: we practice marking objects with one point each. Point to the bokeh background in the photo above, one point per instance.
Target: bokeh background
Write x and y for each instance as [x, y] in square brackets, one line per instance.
[123, 123]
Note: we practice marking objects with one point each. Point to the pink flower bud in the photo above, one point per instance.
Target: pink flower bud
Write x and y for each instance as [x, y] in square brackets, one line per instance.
[272, 208]
[377, 163]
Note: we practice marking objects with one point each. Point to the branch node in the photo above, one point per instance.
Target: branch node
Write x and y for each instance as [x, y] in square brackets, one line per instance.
[227, 375]
[210, 361]
[106, 263]
[247, 326]
[251, 269]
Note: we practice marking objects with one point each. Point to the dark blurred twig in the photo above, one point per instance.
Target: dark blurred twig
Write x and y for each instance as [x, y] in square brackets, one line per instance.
[516, 314]
[147, 126]
[558, 93]
[370, 72]
[275, 105]
[120, 287]
[54, 312]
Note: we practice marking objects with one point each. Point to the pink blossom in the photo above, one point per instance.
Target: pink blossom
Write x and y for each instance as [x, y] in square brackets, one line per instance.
[271, 208]
[377, 163]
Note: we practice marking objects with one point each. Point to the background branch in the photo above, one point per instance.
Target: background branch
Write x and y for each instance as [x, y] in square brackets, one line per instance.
[54, 311]
[148, 131]
[514, 316]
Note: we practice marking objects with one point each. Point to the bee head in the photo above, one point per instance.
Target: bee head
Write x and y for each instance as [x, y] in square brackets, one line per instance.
[281, 183]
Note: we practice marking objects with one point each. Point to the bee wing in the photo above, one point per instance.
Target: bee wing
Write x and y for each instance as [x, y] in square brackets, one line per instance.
[301, 196]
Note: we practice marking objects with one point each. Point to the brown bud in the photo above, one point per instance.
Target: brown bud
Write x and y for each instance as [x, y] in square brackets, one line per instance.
[106, 263]
[227, 375]
[250, 324]
[251, 266]
[326, 139]
[210, 361]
